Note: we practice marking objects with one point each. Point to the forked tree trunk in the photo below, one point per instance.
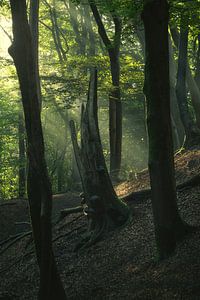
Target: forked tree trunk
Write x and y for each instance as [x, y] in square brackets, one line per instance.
[105, 211]
[169, 227]
[38, 184]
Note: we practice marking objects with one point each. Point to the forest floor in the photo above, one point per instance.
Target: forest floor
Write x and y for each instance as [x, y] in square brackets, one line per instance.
[123, 265]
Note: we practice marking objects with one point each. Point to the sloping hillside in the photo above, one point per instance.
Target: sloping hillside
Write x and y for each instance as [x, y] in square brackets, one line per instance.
[123, 265]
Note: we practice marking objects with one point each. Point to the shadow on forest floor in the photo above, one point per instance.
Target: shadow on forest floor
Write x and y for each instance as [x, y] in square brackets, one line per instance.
[122, 266]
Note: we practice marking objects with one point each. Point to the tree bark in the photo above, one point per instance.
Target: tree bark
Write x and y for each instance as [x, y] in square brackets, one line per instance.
[105, 211]
[22, 156]
[178, 130]
[38, 184]
[175, 113]
[197, 71]
[34, 17]
[168, 224]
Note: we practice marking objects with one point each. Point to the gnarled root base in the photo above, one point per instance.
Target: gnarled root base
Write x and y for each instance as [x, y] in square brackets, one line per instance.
[99, 226]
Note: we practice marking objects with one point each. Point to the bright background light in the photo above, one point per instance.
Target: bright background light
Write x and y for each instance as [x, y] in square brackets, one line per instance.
[5, 42]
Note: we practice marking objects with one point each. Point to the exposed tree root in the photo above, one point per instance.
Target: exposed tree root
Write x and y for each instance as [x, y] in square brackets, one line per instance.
[98, 228]
[16, 239]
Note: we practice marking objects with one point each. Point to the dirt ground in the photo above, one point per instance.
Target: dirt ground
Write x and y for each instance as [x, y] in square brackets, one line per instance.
[123, 265]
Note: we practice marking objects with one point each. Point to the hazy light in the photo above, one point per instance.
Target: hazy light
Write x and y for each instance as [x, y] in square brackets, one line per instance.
[5, 25]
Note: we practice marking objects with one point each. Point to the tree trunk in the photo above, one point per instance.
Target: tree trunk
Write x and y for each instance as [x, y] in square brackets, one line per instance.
[175, 113]
[34, 17]
[38, 184]
[115, 105]
[197, 71]
[168, 224]
[178, 129]
[115, 117]
[192, 85]
[192, 134]
[88, 23]
[105, 211]
[22, 156]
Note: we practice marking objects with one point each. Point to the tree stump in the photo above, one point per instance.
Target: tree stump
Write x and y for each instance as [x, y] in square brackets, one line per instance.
[103, 208]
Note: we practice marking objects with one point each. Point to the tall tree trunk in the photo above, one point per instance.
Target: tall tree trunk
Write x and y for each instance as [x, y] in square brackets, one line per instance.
[75, 25]
[22, 156]
[191, 131]
[115, 116]
[33, 20]
[175, 113]
[115, 105]
[192, 85]
[197, 71]
[178, 130]
[91, 33]
[168, 224]
[38, 184]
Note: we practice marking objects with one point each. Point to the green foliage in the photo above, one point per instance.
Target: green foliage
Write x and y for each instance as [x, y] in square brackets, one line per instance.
[9, 103]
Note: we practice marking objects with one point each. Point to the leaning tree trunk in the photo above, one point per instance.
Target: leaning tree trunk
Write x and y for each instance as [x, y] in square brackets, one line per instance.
[38, 184]
[168, 224]
[105, 211]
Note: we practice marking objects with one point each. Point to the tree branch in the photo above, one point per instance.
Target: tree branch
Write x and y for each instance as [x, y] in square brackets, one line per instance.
[101, 28]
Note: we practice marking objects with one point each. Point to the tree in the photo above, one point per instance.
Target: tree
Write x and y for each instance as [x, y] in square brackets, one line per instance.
[34, 18]
[191, 131]
[169, 228]
[105, 211]
[38, 184]
[22, 156]
[191, 82]
[115, 106]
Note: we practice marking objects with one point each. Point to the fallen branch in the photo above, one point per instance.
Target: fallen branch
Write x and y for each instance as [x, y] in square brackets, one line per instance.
[72, 210]
[23, 223]
[9, 203]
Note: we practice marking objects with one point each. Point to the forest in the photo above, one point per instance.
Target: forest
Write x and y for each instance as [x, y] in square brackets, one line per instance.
[99, 149]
